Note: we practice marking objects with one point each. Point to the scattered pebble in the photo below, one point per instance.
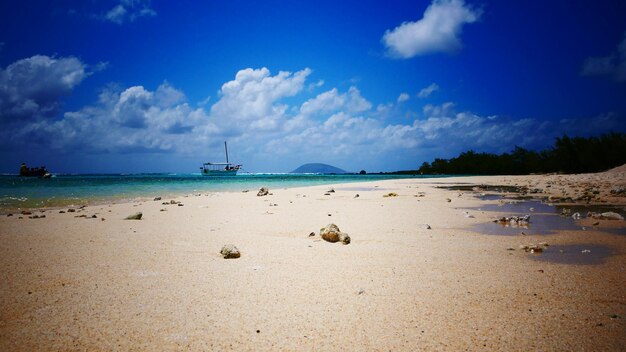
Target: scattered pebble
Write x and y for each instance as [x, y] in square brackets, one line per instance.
[136, 216]
[229, 251]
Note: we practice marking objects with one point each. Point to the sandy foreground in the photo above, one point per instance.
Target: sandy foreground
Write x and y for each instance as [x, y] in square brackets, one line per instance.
[160, 283]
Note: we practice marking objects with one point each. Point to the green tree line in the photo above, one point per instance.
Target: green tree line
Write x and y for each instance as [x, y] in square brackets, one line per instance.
[568, 155]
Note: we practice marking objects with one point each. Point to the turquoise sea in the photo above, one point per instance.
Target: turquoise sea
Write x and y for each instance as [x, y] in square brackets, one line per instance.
[63, 190]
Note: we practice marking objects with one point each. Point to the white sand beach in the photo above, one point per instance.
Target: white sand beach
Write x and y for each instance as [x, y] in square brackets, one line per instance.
[160, 283]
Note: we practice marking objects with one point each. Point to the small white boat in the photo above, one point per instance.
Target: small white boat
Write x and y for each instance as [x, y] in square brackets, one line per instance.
[220, 169]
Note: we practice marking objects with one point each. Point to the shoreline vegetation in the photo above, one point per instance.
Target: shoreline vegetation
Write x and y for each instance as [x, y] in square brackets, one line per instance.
[419, 264]
[567, 156]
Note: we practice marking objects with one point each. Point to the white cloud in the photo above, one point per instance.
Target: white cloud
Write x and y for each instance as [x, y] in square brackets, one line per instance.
[437, 31]
[272, 133]
[403, 97]
[129, 11]
[613, 65]
[427, 91]
[332, 100]
[253, 98]
[31, 88]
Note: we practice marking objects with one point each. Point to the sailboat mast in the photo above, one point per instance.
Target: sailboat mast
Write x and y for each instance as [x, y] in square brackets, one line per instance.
[226, 149]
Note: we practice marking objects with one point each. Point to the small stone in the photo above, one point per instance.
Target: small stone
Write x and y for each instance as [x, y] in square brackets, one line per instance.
[332, 190]
[9, 214]
[71, 210]
[425, 226]
[229, 251]
[157, 198]
[24, 212]
[312, 234]
[391, 194]
[94, 216]
[331, 233]
[356, 196]
[448, 200]
[326, 194]
[62, 212]
[263, 192]
[180, 204]
[136, 216]
[610, 215]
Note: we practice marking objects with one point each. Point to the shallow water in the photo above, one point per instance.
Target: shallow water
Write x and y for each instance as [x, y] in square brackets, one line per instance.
[545, 219]
[60, 190]
[540, 224]
[579, 254]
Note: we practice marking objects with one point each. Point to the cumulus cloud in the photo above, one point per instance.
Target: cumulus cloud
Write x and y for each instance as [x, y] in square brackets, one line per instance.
[131, 120]
[31, 88]
[332, 100]
[438, 31]
[253, 99]
[260, 114]
[403, 97]
[129, 11]
[613, 65]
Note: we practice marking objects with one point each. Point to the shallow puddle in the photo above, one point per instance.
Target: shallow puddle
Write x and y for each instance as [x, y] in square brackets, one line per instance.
[520, 207]
[540, 224]
[580, 254]
[545, 218]
[483, 188]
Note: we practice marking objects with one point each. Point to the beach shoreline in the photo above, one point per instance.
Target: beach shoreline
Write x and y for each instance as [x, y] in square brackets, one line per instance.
[417, 275]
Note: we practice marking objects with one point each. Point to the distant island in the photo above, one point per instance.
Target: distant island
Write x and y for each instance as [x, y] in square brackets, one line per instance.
[317, 168]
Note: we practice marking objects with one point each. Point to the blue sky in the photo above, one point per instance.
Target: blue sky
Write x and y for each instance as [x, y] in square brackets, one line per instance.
[157, 86]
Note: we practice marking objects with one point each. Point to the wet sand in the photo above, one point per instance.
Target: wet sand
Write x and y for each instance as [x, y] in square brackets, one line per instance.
[160, 283]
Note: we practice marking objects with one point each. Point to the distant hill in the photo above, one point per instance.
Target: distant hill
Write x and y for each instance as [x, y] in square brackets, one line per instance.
[318, 168]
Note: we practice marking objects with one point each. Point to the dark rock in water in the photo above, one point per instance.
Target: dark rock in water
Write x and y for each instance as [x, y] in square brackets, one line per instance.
[136, 216]
[229, 251]
[331, 233]
[263, 192]
[157, 198]
[317, 168]
[534, 248]
[517, 220]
